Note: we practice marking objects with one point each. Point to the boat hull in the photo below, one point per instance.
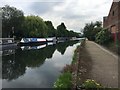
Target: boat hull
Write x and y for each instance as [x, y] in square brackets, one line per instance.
[31, 43]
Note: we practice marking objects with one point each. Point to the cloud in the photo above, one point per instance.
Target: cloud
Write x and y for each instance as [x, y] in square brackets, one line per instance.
[74, 13]
[43, 7]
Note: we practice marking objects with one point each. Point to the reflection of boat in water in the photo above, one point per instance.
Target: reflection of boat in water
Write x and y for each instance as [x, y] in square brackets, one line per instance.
[7, 52]
[37, 47]
[7, 46]
[33, 47]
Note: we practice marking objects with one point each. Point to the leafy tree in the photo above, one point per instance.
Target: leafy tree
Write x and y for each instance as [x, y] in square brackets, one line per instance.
[12, 20]
[98, 23]
[91, 29]
[61, 30]
[73, 34]
[34, 26]
[51, 30]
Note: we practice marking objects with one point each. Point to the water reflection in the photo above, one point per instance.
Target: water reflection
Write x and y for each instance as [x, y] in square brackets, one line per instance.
[12, 68]
[15, 65]
[61, 47]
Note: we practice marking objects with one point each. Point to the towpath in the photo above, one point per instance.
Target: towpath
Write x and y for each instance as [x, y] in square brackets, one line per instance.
[104, 65]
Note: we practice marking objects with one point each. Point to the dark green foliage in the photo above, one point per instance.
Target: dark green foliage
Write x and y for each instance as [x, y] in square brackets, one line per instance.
[50, 29]
[91, 29]
[12, 20]
[103, 37]
[63, 32]
[72, 34]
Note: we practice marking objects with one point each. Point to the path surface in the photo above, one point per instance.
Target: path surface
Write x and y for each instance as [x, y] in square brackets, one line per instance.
[104, 65]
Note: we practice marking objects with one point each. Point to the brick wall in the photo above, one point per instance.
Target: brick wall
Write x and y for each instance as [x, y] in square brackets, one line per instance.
[112, 17]
[119, 16]
[112, 21]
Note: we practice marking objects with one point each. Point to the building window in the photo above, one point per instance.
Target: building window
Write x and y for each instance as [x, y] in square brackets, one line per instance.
[113, 13]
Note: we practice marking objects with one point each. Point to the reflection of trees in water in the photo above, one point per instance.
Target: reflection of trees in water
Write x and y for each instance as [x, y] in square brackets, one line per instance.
[49, 51]
[61, 47]
[34, 58]
[15, 65]
[11, 68]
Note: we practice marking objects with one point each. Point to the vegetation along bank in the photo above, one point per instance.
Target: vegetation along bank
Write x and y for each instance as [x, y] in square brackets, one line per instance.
[70, 78]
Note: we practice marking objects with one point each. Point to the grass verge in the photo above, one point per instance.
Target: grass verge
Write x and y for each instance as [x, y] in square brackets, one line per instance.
[64, 81]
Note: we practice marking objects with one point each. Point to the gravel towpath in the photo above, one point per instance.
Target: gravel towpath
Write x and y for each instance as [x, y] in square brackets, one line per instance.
[104, 67]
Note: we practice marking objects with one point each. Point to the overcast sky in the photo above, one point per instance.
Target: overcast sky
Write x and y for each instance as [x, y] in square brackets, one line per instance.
[74, 13]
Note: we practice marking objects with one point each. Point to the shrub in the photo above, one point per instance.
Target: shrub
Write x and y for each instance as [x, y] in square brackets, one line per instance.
[90, 84]
[64, 81]
[103, 37]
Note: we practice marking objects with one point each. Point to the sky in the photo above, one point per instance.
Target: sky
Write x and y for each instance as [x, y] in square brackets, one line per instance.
[74, 13]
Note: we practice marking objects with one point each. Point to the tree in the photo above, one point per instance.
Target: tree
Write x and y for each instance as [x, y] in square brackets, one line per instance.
[61, 30]
[12, 20]
[91, 29]
[50, 29]
[98, 23]
[34, 26]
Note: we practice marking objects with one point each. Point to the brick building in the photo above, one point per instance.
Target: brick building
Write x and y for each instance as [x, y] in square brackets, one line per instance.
[112, 21]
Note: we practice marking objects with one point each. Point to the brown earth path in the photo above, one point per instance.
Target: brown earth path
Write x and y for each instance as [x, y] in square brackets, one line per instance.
[104, 66]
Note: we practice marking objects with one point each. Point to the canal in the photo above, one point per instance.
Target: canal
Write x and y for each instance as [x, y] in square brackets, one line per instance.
[36, 67]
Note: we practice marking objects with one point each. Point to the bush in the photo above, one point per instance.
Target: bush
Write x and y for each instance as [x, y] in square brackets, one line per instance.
[64, 81]
[103, 37]
[90, 84]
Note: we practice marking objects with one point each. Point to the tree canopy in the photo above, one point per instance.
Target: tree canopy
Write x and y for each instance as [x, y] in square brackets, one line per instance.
[91, 29]
[63, 32]
[14, 23]
[50, 29]
[34, 26]
[12, 20]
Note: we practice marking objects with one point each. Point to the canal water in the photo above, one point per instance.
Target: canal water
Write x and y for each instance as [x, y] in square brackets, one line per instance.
[36, 67]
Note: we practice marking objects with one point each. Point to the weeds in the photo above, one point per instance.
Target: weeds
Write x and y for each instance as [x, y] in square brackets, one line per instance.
[64, 81]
